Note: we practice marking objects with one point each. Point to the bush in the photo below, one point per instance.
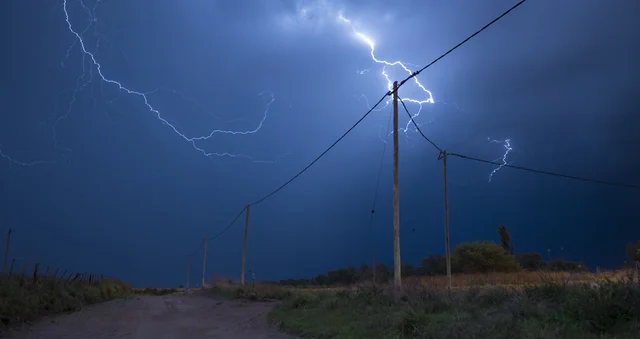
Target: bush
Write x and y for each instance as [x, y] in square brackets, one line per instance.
[531, 261]
[483, 257]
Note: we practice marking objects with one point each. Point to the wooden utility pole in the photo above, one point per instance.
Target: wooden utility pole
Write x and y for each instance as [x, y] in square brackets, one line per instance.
[446, 223]
[6, 251]
[397, 278]
[188, 270]
[244, 248]
[204, 261]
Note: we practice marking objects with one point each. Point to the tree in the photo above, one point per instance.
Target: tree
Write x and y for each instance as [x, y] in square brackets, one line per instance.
[483, 257]
[504, 238]
[434, 264]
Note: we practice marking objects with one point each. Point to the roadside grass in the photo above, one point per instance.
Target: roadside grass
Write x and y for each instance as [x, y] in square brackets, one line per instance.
[258, 292]
[27, 300]
[608, 308]
[156, 291]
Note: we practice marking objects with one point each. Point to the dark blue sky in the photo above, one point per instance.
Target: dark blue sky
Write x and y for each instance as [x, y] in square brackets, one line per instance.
[125, 195]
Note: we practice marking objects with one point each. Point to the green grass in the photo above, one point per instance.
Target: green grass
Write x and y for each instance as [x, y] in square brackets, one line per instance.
[551, 310]
[28, 301]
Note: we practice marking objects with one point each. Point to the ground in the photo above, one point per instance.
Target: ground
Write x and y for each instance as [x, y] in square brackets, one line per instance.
[187, 315]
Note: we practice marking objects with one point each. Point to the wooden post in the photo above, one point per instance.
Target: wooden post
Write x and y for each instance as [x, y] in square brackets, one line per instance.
[244, 248]
[397, 275]
[13, 261]
[6, 251]
[446, 224]
[188, 270]
[55, 274]
[204, 261]
[46, 272]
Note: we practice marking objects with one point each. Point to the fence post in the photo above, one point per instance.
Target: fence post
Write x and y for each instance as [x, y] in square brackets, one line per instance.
[55, 275]
[46, 272]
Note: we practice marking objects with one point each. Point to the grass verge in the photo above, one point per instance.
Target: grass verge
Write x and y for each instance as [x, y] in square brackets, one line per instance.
[156, 291]
[608, 309]
[24, 302]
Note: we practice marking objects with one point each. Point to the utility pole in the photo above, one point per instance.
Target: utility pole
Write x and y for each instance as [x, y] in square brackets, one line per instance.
[6, 251]
[446, 223]
[244, 249]
[188, 270]
[397, 278]
[204, 261]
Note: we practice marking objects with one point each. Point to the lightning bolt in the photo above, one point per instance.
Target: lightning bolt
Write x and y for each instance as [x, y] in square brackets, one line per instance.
[92, 68]
[21, 163]
[385, 65]
[507, 148]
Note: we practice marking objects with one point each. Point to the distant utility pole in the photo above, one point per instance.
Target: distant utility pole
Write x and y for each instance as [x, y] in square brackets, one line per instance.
[397, 278]
[204, 261]
[244, 249]
[446, 223]
[6, 251]
[188, 270]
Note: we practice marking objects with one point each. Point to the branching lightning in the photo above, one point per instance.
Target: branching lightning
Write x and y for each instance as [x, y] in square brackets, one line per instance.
[92, 68]
[21, 163]
[507, 148]
[428, 96]
[385, 64]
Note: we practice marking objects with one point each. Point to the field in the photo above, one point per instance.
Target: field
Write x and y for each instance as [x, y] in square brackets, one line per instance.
[517, 305]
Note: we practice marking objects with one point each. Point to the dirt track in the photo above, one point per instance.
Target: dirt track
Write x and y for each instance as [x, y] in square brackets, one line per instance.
[183, 316]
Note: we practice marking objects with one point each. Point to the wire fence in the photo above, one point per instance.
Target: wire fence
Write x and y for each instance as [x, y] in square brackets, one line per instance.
[24, 270]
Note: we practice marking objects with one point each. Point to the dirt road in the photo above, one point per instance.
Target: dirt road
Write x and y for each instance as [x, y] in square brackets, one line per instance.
[187, 315]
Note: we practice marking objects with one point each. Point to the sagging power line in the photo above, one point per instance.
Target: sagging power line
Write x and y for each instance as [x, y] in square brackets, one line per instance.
[555, 174]
[388, 94]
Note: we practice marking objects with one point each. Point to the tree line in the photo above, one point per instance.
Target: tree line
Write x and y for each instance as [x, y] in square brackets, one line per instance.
[471, 257]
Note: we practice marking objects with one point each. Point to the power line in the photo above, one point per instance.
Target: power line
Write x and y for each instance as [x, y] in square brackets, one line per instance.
[302, 171]
[321, 154]
[513, 166]
[414, 74]
[389, 93]
[418, 127]
[546, 172]
[229, 226]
